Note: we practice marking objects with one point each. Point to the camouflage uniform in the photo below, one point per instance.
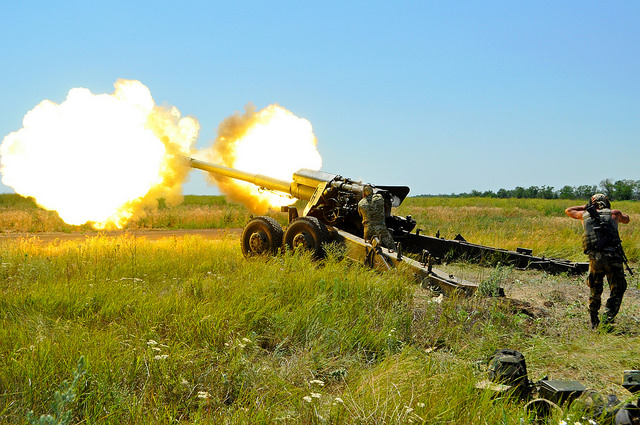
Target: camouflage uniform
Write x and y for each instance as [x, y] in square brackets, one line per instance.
[371, 208]
[603, 262]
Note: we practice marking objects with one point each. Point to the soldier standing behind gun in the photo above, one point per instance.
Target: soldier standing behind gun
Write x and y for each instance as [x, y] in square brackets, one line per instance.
[601, 243]
[371, 208]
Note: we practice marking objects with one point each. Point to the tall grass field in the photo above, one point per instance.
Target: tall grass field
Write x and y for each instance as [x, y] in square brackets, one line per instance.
[125, 330]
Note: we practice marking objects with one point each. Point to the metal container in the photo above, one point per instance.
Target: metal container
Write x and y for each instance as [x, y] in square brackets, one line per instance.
[560, 392]
[631, 380]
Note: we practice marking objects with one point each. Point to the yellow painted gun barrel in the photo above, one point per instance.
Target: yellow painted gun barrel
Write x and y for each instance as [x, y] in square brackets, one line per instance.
[294, 189]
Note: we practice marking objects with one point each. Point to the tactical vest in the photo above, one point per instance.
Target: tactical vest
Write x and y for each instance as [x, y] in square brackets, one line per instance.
[600, 237]
[372, 210]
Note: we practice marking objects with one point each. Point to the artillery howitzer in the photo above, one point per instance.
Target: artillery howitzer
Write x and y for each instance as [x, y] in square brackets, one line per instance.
[331, 214]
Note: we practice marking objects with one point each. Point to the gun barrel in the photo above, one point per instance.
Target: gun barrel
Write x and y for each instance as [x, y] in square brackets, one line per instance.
[294, 189]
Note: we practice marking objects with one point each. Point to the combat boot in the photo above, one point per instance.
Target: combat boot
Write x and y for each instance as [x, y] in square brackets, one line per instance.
[607, 323]
[595, 319]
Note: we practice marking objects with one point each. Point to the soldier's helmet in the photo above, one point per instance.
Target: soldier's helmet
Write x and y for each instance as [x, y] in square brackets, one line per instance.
[601, 201]
[367, 190]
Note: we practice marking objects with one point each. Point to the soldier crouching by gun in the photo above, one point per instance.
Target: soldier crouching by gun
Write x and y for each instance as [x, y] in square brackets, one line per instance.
[371, 208]
[602, 244]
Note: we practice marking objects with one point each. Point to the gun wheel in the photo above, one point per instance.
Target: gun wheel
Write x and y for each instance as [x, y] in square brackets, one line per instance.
[307, 233]
[261, 236]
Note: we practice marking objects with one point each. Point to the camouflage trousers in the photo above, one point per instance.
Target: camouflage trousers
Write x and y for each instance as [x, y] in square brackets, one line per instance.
[382, 233]
[611, 267]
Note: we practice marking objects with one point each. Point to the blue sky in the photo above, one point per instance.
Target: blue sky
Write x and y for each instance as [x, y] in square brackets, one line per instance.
[444, 97]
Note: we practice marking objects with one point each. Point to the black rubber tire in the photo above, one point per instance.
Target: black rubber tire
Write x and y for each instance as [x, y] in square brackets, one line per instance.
[261, 236]
[307, 233]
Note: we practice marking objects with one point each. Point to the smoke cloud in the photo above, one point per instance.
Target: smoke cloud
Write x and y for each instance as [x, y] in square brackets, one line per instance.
[100, 158]
[272, 142]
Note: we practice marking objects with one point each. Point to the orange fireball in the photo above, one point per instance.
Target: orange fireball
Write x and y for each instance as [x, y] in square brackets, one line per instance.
[273, 142]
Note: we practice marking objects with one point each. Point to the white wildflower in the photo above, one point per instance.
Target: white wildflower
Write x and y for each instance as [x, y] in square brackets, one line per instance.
[156, 348]
[339, 400]
[203, 394]
[408, 409]
[161, 357]
[317, 382]
[247, 340]
[152, 342]
[421, 405]
[307, 399]
[315, 395]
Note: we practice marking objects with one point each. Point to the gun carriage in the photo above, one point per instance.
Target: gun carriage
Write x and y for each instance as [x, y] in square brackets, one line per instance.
[331, 214]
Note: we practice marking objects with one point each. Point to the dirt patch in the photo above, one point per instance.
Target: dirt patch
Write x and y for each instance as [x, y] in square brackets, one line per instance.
[544, 291]
[560, 298]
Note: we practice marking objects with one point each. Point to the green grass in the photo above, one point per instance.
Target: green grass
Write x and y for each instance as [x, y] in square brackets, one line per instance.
[16, 201]
[185, 330]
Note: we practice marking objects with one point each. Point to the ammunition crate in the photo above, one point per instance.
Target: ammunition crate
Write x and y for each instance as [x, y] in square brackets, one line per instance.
[631, 380]
[560, 392]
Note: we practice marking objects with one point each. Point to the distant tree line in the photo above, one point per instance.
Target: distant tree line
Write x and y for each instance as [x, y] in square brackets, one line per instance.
[619, 190]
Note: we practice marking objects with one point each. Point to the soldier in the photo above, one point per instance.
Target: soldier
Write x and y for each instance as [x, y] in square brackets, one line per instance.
[601, 243]
[371, 208]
